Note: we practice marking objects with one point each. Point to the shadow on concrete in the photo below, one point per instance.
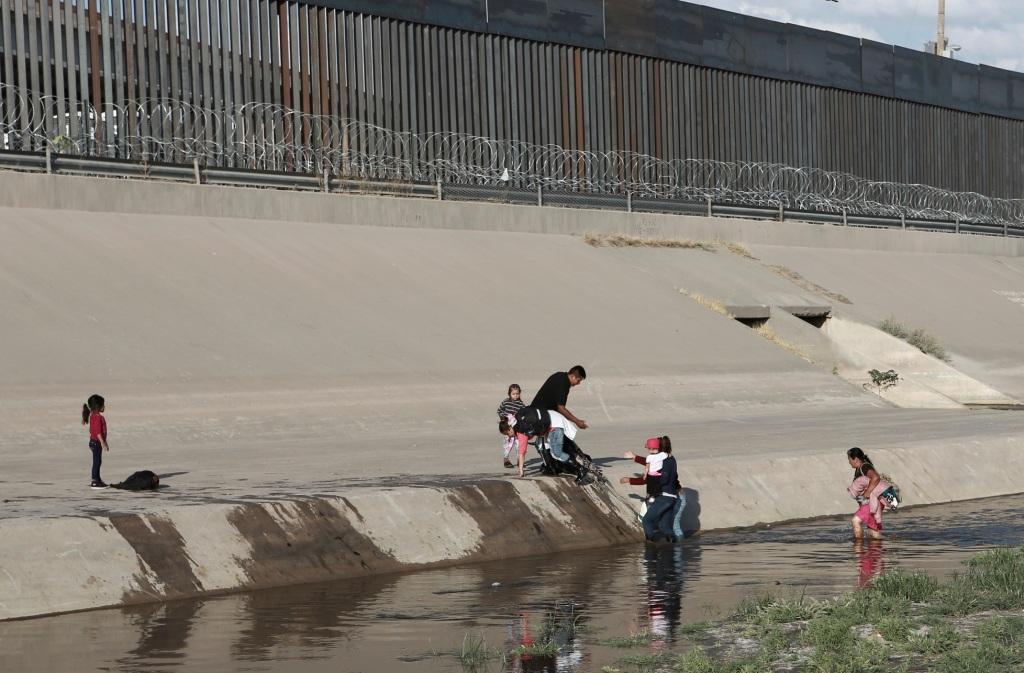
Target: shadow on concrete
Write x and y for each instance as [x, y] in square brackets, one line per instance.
[691, 515]
[168, 475]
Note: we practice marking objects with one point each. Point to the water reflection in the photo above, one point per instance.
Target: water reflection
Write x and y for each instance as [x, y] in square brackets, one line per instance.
[870, 560]
[414, 623]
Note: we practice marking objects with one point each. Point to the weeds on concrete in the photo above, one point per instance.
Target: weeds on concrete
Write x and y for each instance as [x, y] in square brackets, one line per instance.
[627, 241]
[707, 302]
[918, 338]
[800, 281]
[737, 249]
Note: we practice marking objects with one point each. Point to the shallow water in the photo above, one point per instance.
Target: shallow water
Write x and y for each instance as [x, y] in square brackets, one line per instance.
[415, 622]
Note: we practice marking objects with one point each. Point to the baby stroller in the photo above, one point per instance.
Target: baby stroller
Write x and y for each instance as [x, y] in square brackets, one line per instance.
[581, 466]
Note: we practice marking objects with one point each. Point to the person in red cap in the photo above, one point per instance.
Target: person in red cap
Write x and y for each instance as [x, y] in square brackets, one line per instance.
[664, 492]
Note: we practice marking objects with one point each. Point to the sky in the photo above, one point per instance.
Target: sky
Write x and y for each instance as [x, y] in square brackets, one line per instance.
[988, 31]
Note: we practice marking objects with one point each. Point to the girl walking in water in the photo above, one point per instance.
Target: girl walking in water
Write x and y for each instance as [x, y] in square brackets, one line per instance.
[866, 487]
[92, 415]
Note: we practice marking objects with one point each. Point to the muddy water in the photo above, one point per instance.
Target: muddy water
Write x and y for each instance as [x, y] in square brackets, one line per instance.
[413, 623]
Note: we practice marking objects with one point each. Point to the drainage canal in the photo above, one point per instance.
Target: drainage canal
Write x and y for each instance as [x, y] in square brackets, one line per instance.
[423, 621]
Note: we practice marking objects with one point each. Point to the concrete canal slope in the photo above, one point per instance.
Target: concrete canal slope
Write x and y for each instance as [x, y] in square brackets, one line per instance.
[311, 386]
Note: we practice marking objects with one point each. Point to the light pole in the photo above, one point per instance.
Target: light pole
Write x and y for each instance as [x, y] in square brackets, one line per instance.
[940, 35]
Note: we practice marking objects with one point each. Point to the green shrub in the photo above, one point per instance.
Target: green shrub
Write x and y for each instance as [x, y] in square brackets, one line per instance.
[917, 338]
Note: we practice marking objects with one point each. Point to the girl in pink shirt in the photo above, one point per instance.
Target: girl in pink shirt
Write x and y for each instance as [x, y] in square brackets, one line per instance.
[92, 415]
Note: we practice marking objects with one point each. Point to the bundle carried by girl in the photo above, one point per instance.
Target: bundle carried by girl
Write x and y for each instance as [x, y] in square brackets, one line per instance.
[890, 496]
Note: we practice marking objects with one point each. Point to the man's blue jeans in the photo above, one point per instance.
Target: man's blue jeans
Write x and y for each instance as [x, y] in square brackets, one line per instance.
[556, 438]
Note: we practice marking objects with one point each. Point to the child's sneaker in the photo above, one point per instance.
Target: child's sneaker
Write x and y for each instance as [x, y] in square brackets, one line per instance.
[508, 464]
[97, 485]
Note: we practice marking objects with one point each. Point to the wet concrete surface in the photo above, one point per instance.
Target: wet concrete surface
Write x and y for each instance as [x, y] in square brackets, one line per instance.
[415, 622]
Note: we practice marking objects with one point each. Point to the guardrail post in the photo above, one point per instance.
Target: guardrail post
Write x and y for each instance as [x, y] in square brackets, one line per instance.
[1005, 232]
[903, 220]
[440, 191]
[49, 161]
[709, 207]
[958, 225]
[540, 195]
[327, 182]
[844, 217]
[629, 202]
[196, 171]
[782, 212]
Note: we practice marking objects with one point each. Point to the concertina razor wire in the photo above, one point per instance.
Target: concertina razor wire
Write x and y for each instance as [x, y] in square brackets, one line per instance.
[266, 136]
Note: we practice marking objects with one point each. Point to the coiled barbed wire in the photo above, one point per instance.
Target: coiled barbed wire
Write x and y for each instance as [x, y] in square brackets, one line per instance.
[273, 137]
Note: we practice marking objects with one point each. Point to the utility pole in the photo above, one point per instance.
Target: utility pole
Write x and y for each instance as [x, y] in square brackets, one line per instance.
[941, 46]
[941, 41]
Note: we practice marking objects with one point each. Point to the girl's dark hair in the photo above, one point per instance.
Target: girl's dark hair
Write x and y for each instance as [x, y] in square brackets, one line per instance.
[665, 443]
[514, 386]
[94, 403]
[855, 452]
[503, 427]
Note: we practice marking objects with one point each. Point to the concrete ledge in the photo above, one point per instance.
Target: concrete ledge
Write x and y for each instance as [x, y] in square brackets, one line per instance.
[58, 192]
[77, 563]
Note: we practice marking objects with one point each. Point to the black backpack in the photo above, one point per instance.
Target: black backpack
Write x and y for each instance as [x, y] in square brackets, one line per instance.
[532, 421]
[143, 480]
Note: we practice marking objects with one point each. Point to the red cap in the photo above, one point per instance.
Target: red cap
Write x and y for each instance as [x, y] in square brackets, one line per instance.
[653, 443]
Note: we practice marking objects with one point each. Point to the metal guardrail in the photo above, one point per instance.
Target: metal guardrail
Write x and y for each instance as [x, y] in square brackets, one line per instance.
[57, 164]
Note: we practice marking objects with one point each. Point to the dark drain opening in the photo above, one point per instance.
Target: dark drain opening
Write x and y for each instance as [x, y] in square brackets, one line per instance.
[752, 323]
[815, 320]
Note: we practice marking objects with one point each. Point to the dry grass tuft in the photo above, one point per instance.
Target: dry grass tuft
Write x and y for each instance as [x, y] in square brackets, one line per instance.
[800, 281]
[707, 302]
[737, 249]
[769, 334]
[627, 241]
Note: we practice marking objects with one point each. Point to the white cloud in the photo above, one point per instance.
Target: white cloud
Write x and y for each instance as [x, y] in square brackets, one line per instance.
[988, 31]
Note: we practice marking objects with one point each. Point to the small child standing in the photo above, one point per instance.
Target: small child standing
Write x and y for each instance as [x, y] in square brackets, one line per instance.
[510, 406]
[92, 415]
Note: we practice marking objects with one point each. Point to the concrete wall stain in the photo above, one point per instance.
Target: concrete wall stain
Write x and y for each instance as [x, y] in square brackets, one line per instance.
[160, 546]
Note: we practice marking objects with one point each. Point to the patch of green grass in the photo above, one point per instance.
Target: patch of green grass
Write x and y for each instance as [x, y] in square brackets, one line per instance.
[644, 663]
[632, 640]
[865, 659]
[474, 653]
[767, 609]
[894, 629]
[917, 338]
[940, 639]
[537, 649]
[913, 586]
[994, 580]
[694, 628]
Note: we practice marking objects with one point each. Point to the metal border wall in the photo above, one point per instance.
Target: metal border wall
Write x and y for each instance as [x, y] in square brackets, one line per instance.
[69, 71]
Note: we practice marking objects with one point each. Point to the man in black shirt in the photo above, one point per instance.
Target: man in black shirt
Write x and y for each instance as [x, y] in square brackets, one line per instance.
[555, 393]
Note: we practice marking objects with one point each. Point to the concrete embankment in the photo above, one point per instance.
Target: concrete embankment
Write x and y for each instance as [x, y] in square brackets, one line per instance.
[77, 563]
[65, 564]
[315, 377]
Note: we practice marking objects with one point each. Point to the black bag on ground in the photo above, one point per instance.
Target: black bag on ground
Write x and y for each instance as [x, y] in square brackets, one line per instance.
[532, 421]
[143, 480]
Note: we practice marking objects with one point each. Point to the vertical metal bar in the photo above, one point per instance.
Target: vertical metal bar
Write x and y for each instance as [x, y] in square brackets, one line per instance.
[142, 71]
[110, 137]
[117, 23]
[21, 54]
[84, 79]
[10, 113]
[131, 78]
[34, 70]
[72, 83]
[61, 62]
